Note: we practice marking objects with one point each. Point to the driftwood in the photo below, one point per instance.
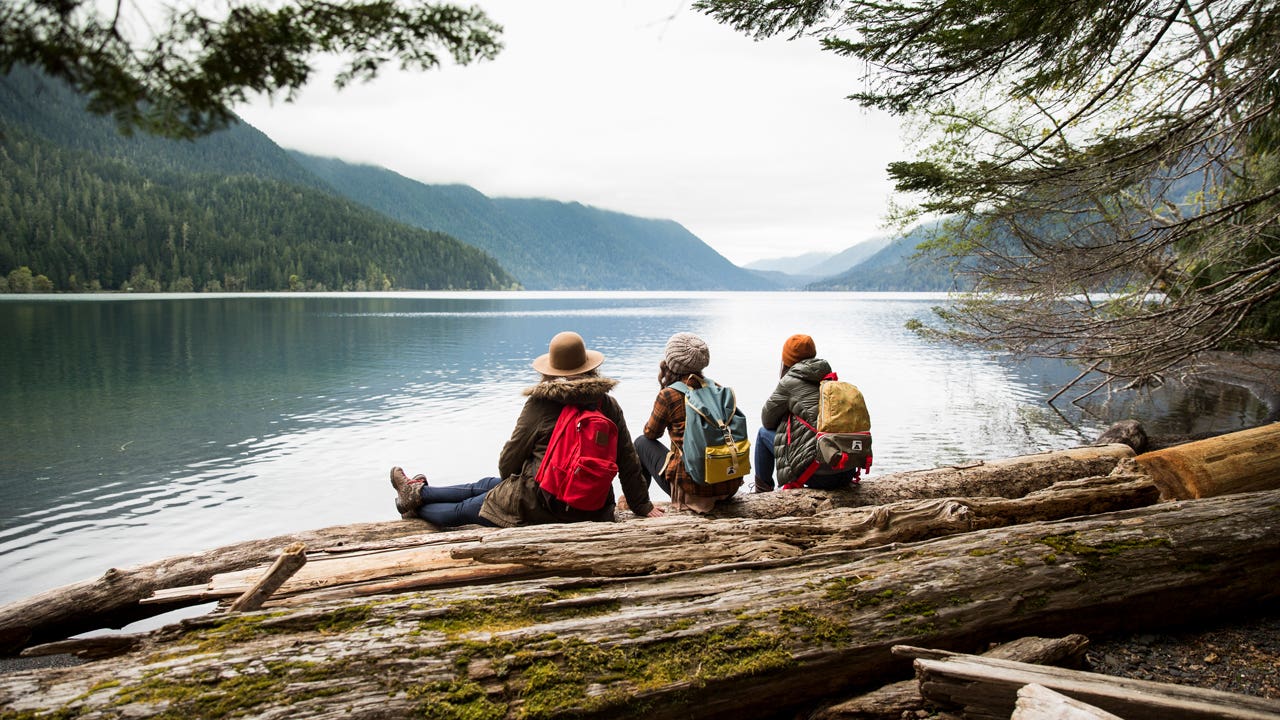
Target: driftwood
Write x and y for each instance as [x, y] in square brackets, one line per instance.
[1037, 702]
[113, 600]
[1008, 478]
[739, 640]
[289, 562]
[1237, 462]
[987, 689]
[668, 544]
[891, 701]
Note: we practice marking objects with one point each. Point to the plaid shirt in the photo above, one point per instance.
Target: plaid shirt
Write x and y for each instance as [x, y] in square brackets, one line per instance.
[668, 416]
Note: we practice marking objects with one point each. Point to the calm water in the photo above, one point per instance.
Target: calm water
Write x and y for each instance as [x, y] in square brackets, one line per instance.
[135, 428]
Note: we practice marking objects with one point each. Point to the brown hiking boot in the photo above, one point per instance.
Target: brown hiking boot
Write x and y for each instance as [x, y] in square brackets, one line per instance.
[408, 492]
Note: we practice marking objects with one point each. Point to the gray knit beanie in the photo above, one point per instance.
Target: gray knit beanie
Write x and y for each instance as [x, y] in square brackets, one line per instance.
[686, 354]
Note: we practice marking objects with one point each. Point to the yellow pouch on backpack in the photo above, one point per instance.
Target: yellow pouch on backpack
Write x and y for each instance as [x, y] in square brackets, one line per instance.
[841, 408]
[726, 462]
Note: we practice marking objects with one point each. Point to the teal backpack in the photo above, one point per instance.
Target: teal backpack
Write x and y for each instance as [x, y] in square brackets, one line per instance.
[716, 446]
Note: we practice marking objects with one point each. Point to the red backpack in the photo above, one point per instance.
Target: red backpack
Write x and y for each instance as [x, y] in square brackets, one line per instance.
[581, 459]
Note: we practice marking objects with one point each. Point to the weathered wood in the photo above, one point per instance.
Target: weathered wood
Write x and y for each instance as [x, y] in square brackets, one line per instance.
[737, 640]
[891, 701]
[670, 544]
[112, 599]
[1037, 702]
[1236, 462]
[1007, 478]
[289, 562]
[987, 688]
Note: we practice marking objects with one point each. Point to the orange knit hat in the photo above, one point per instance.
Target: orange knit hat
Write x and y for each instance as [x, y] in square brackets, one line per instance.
[797, 348]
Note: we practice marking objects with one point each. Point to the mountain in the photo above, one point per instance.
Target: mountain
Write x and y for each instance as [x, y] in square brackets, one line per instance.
[791, 265]
[89, 208]
[546, 244]
[799, 271]
[898, 266]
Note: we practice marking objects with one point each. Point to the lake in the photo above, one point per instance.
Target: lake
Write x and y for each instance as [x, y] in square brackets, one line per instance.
[139, 427]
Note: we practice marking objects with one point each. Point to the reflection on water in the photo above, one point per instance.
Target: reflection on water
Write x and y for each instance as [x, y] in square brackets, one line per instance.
[141, 427]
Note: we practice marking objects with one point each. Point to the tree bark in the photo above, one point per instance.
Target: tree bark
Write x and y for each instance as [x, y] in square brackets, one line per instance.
[113, 600]
[1237, 462]
[735, 640]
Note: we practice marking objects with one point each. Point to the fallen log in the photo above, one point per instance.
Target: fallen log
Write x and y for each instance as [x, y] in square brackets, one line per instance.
[1236, 462]
[739, 640]
[112, 599]
[987, 689]
[669, 544]
[892, 701]
[1007, 478]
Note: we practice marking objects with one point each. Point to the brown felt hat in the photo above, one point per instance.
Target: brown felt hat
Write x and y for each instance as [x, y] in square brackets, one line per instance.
[567, 355]
[797, 348]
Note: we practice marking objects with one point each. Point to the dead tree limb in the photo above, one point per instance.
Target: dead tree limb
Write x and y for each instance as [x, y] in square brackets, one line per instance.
[737, 640]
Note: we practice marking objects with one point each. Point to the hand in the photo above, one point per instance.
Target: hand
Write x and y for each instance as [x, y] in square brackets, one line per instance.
[656, 512]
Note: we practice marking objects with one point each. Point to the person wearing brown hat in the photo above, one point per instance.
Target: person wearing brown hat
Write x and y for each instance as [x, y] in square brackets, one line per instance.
[515, 497]
[789, 447]
[683, 360]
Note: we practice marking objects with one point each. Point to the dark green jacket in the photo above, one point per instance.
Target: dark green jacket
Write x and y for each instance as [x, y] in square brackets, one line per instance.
[796, 394]
[518, 500]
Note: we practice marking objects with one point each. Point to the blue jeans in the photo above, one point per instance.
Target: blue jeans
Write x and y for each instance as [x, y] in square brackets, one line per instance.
[452, 505]
[763, 459]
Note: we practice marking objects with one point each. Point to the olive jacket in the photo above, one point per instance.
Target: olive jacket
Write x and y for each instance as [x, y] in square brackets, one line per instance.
[518, 500]
[796, 394]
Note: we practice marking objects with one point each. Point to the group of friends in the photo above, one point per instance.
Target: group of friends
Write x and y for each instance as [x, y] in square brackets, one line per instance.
[570, 376]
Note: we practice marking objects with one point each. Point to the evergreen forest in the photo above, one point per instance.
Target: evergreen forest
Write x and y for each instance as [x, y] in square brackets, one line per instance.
[83, 208]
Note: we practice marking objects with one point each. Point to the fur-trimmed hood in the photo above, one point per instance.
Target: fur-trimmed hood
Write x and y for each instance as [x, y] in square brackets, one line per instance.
[572, 390]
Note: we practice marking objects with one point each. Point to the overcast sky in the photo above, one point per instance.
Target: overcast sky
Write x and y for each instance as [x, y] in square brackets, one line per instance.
[642, 107]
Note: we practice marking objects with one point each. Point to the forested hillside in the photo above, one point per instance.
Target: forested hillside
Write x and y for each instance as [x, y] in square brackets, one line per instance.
[546, 244]
[900, 266]
[89, 209]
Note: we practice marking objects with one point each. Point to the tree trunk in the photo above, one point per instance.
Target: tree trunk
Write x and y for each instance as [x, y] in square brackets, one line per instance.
[668, 544]
[1008, 478]
[113, 600]
[1237, 462]
[735, 640]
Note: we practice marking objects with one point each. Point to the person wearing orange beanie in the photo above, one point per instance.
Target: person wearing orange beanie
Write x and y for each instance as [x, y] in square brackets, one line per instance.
[795, 395]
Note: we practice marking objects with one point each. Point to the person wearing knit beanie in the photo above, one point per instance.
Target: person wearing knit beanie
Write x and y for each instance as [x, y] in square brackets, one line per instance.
[686, 354]
[683, 360]
[797, 348]
[786, 442]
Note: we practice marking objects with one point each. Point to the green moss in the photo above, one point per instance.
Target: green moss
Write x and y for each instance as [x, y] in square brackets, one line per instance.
[509, 613]
[677, 626]
[456, 700]
[842, 588]
[1093, 555]
[1033, 603]
[1014, 560]
[816, 627]
[981, 552]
